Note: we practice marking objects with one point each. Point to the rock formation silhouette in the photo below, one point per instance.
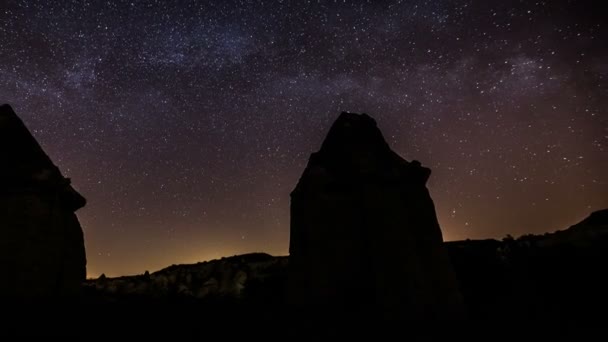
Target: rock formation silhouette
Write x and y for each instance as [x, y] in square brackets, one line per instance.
[364, 233]
[41, 242]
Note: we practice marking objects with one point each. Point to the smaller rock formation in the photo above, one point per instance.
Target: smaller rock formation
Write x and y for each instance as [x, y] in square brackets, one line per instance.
[41, 242]
[364, 233]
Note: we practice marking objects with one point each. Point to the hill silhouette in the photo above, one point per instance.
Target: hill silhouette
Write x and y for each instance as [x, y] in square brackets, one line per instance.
[484, 267]
[552, 284]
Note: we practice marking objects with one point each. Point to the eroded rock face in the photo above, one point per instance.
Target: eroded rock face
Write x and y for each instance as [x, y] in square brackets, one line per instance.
[364, 232]
[41, 242]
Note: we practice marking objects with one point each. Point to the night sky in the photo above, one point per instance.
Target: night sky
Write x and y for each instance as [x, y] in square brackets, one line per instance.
[186, 124]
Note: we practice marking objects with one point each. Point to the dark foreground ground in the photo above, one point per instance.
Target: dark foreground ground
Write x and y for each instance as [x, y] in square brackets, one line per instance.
[205, 320]
[553, 286]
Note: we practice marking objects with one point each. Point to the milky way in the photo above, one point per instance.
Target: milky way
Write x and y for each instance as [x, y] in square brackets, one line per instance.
[186, 124]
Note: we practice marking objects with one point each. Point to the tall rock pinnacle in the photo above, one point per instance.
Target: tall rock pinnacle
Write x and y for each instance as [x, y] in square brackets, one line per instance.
[364, 233]
[41, 242]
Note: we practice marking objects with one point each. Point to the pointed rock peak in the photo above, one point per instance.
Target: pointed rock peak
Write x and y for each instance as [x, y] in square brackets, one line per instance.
[354, 132]
[6, 109]
[26, 165]
[355, 147]
[19, 151]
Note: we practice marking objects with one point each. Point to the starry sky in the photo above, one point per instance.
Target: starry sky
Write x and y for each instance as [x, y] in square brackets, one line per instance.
[186, 124]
